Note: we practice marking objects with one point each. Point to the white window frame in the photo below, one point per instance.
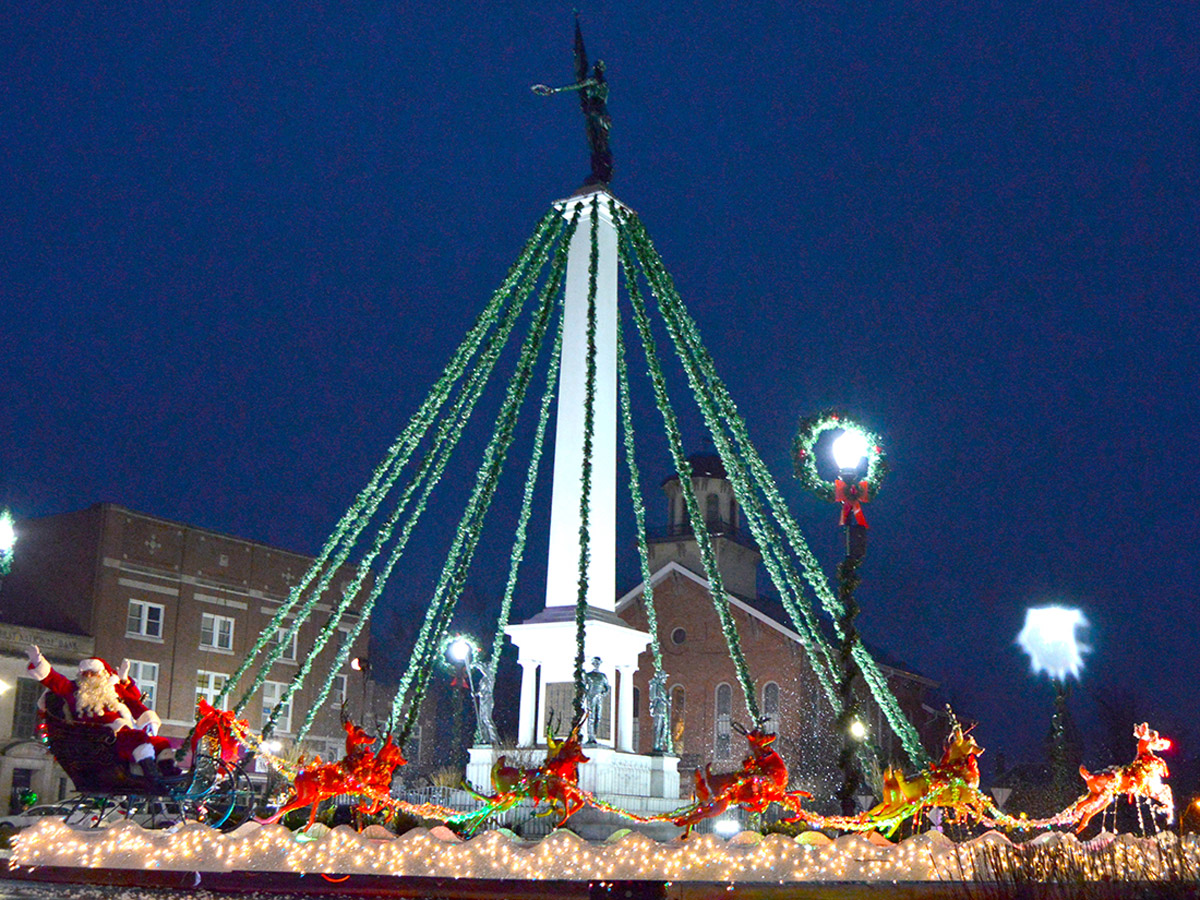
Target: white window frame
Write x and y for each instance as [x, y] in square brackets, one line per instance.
[145, 675]
[771, 717]
[723, 722]
[340, 690]
[289, 647]
[212, 623]
[272, 692]
[138, 620]
[209, 684]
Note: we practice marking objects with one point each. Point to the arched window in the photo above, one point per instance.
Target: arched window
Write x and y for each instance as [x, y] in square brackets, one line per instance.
[678, 695]
[770, 707]
[723, 748]
[712, 509]
[733, 514]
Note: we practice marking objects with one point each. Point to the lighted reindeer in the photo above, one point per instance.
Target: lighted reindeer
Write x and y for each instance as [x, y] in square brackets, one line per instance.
[1141, 778]
[360, 772]
[762, 780]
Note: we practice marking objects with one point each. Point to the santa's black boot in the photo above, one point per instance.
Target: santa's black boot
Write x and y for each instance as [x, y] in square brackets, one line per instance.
[150, 770]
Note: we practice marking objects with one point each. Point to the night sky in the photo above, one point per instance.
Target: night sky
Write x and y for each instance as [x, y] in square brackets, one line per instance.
[239, 245]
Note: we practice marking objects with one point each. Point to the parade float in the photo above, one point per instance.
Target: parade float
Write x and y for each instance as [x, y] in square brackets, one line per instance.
[566, 282]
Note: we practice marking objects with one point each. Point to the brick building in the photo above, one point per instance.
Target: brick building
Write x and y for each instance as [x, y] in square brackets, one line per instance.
[184, 605]
[706, 695]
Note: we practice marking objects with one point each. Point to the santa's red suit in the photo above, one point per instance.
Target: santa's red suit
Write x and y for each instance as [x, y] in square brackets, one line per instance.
[134, 723]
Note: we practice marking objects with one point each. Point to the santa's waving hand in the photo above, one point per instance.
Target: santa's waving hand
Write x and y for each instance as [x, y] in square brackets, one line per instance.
[98, 696]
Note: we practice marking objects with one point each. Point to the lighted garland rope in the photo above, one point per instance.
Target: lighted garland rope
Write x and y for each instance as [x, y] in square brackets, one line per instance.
[871, 674]
[430, 473]
[467, 537]
[639, 506]
[355, 519]
[495, 455]
[589, 430]
[531, 477]
[684, 469]
[807, 628]
[446, 438]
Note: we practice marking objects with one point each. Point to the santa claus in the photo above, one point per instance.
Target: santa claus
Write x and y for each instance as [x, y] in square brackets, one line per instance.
[101, 696]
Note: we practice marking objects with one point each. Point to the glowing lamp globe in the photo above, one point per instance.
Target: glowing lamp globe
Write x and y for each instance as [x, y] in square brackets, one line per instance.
[8, 533]
[459, 651]
[1050, 640]
[849, 448]
[858, 730]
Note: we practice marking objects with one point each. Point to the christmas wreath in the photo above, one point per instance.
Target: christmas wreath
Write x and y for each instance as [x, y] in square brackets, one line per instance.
[810, 430]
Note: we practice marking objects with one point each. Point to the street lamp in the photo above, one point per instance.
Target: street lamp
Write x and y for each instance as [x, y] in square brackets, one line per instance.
[1049, 637]
[858, 459]
[362, 665]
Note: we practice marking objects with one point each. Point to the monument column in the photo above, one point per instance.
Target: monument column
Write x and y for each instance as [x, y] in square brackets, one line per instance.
[625, 710]
[526, 726]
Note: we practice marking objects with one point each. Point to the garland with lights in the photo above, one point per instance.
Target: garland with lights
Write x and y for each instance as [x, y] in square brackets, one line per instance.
[454, 572]
[810, 430]
[639, 506]
[589, 429]
[684, 468]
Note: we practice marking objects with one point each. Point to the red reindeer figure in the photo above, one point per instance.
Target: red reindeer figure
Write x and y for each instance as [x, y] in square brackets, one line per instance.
[361, 772]
[762, 780]
[1141, 778]
[557, 780]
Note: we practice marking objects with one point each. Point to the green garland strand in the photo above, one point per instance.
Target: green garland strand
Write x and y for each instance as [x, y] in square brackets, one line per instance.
[874, 678]
[589, 429]
[429, 473]
[360, 512]
[684, 468]
[531, 477]
[773, 555]
[639, 506]
[466, 539]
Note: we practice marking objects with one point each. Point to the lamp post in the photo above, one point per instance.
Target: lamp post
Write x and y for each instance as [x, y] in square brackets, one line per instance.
[362, 665]
[850, 454]
[858, 457]
[1049, 637]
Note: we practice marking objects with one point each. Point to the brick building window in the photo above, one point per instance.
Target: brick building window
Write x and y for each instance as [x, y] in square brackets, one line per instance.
[637, 714]
[208, 685]
[145, 675]
[337, 692]
[288, 643]
[272, 697]
[712, 510]
[723, 746]
[678, 695]
[770, 707]
[144, 620]
[216, 632]
[25, 708]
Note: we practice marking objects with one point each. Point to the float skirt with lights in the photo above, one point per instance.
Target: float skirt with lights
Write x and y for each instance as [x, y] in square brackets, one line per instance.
[270, 857]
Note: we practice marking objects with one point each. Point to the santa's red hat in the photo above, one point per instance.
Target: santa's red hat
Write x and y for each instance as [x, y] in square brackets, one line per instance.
[99, 666]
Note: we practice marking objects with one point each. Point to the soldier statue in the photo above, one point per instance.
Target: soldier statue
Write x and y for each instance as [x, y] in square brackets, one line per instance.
[660, 712]
[595, 689]
[485, 689]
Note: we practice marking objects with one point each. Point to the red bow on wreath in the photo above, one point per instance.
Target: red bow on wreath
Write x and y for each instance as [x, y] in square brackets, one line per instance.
[852, 497]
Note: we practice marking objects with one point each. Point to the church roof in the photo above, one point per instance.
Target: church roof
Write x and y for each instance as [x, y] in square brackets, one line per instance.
[704, 465]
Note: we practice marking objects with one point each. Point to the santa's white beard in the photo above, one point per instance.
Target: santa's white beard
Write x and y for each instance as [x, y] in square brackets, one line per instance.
[94, 696]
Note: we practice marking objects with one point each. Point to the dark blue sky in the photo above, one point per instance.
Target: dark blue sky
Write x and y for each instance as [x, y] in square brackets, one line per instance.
[238, 246]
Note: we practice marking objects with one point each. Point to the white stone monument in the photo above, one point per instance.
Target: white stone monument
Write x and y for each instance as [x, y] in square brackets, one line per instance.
[546, 643]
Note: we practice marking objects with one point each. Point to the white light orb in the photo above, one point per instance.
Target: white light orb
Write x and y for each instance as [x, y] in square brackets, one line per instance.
[1049, 639]
[858, 730]
[459, 651]
[8, 533]
[727, 827]
[849, 448]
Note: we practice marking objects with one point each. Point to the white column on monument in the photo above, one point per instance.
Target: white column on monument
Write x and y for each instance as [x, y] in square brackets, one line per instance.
[562, 576]
[526, 726]
[625, 708]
